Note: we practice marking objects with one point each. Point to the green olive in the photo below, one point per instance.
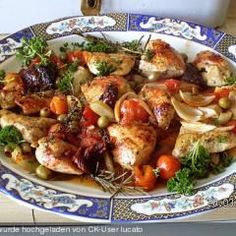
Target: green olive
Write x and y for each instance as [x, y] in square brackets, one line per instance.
[74, 126]
[26, 148]
[8, 150]
[43, 172]
[103, 122]
[224, 103]
[61, 117]
[29, 165]
[45, 112]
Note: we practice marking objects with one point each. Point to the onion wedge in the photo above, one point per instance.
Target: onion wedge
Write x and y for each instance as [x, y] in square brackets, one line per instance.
[198, 127]
[196, 100]
[186, 112]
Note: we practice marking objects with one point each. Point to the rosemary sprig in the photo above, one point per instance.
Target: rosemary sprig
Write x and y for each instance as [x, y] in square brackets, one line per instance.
[103, 44]
[116, 184]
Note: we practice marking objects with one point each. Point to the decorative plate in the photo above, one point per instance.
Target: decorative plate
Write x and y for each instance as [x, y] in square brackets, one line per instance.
[92, 205]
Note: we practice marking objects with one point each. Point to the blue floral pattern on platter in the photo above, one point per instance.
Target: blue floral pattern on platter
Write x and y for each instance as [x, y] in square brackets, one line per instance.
[191, 31]
[52, 199]
[120, 208]
[184, 203]
[9, 44]
[80, 23]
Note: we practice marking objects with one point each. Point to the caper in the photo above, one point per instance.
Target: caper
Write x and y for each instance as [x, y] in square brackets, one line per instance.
[43, 172]
[8, 150]
[103, 122]
[61, 117]
[26, 148]
[45, 112]
[224, 103]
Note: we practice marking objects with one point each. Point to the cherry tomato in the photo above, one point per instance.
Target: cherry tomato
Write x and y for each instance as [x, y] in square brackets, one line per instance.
[76, 55]
[145, 177]
[58, 105]
[90, 117]
[168, 166]
[131, 111]
[172, 85]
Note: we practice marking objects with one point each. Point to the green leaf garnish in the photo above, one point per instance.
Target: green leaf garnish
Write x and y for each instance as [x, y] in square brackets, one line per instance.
[65, 83]
[197, 161]
[11, 136]
[104, 68]
[148, 55]
[231, 80]
[32, 48]
[182, 182]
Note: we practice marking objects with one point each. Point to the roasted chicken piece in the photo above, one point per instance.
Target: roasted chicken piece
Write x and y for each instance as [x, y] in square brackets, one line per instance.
[214, 68]
[13, 89]
[212, 141]
[107, 89]
[159, 101]
[133, 143]
[56, 155]
[120, 64]
[32, 128]
[163, 61]
[33, 103]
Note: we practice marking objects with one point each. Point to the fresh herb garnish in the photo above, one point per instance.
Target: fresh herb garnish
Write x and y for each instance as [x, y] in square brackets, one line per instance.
[10, 136]
[2, 74]
[195, 165]
[148, 55]
[104, 68]
[65, 83]
[65, 47]
[133, 45]
[32, 48]
[225, 160]
[182, 182]
[197, 161]
[231, 80]
[96, 46]
[116, 184]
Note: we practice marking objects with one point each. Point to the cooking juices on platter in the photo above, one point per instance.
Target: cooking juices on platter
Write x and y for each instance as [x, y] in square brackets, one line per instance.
[119, 115]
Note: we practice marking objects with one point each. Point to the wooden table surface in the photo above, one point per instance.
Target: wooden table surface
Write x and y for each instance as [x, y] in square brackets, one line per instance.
[12, 212]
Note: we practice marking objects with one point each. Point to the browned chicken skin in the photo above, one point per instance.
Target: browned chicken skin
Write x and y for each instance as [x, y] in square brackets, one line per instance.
[93, 91]
[32, 128]
[160, 103]
[211, 141]
[12, 90]
[133, 144]
[121, 63]
[165, 61]
[214, 68]
[33, 103]
[56, 155]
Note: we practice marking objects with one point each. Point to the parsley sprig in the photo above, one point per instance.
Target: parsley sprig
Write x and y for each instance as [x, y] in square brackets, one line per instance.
[182, 182]
[231, 80]
[197, 161]
[65, 83]
[104, 68]
[32, 48]
[10, 136]
[2, 76]
[195, 165]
